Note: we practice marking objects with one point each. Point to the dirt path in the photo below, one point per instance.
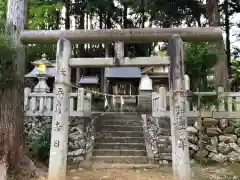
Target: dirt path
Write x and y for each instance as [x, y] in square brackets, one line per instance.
[230, 172]
[119, 174]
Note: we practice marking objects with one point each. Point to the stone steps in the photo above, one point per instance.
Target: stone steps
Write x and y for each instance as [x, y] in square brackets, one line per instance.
[129, 122]
[164, 131]
[164, 148]
[120, 140]
[121, 159]
[125, 115]
[102, 165]
[120, 128]
[119, 152]
[165, 156]
[120, 146]
[120, 134]
[166, 140]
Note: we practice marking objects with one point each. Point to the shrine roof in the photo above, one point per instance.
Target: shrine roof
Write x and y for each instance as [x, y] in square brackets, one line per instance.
[123, 72]
[89, 80]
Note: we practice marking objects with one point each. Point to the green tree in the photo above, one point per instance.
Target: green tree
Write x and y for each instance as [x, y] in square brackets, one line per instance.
[44, 14]
[11, 89]
[200, 60]
[236, 70]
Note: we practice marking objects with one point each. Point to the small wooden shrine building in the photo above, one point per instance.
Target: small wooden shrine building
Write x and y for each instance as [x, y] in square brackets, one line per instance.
[123, 80]
[158, 75]
[90, 83]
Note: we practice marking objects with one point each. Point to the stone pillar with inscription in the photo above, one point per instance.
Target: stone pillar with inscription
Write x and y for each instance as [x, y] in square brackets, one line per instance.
[118, 58]
[59, 136]
[180, 151]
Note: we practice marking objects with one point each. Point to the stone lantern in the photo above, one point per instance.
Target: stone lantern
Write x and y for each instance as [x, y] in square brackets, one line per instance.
[145, 88]
[40, 71]
[145, 84]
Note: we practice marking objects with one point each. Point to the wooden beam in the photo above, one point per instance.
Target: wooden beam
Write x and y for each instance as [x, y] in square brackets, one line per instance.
[126, 62]
[137, 35]
[146, 70]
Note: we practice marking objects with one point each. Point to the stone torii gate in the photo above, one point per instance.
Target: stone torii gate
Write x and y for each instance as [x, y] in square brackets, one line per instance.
[64, 39]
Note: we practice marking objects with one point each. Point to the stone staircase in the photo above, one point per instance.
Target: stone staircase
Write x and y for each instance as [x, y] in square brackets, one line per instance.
[164, 141]
[120, 139]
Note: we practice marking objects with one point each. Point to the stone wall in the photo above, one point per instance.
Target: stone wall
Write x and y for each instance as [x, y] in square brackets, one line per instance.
[80, 139]
[220, 139]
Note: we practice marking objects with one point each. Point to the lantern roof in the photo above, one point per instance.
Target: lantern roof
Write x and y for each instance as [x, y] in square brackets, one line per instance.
[51, 72]
[43, 60]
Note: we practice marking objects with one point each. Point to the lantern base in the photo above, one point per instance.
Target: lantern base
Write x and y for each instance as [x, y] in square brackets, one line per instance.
[42, 86]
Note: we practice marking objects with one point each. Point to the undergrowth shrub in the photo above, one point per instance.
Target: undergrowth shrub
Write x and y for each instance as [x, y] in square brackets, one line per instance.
[39, 144]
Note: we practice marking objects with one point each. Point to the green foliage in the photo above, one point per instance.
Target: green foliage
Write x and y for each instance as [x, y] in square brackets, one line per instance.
[3, 5]
[199, 62]
[236, 70]
[39, 145]
[160, 53]
[7, 56]
[42, 14]
[35, 52]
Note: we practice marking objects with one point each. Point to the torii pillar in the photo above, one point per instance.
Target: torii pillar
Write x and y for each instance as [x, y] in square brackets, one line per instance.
[180, 151]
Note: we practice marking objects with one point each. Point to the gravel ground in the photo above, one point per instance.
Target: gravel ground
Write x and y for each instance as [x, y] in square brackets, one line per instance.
[230, 172]
[120, 174]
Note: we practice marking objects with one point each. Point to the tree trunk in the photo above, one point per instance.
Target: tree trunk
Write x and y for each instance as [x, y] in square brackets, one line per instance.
[220, 69]
[81, 26]
[11, 99]
[227, 30]
[125, 25]
[67, 14]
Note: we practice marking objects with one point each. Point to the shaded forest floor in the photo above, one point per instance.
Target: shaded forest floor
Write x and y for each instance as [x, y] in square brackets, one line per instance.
[230, 172]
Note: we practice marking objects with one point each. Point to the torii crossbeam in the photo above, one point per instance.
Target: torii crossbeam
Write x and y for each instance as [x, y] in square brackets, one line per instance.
[134, 35]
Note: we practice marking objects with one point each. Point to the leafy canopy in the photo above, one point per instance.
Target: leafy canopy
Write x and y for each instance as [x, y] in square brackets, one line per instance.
[200, 59]
[7, 55]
